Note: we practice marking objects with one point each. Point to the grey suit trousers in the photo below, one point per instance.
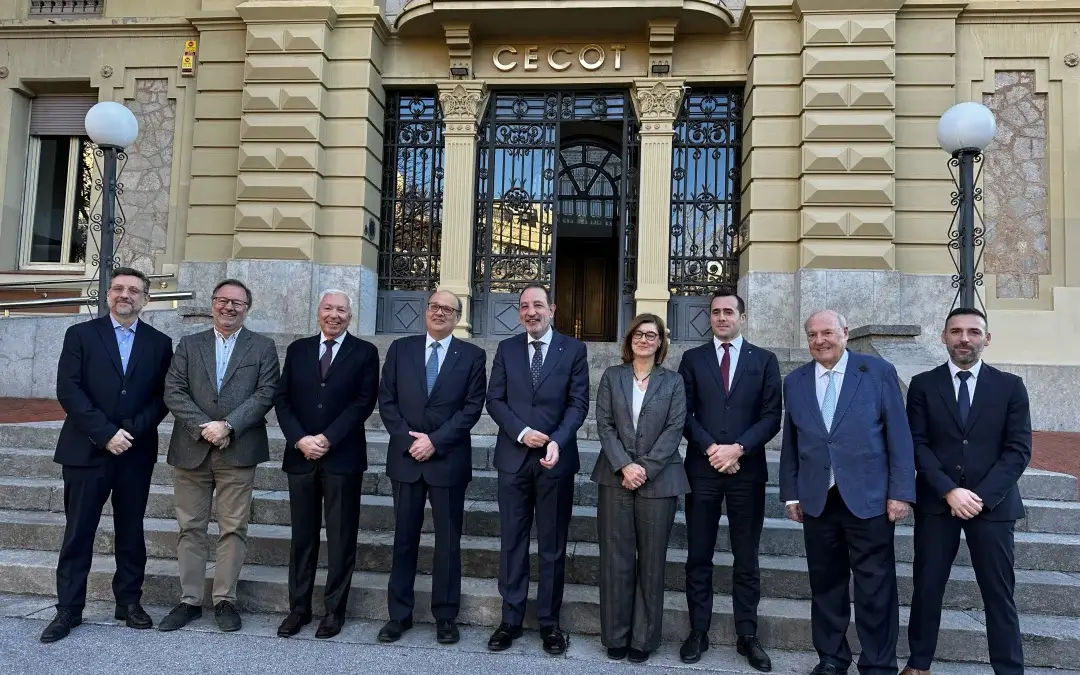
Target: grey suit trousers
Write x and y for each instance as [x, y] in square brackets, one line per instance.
[633, 534]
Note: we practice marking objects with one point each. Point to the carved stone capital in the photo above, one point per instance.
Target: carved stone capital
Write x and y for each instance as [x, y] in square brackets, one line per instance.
[657, 100]
[462, 102]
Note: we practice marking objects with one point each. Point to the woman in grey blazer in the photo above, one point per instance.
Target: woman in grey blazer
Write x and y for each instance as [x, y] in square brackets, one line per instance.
[640, 410]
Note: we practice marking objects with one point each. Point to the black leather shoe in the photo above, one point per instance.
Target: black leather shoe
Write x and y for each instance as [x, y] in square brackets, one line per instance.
[827, 669]
[696, 644]
[134, 616]
[638, 656]
[329, 627]
[617, 653]
[446, 632]
[394, 629]
[180, 616]
[293, 623]
[554, 640]
[750, 647]
[228, 619]
[503, 637]
[61, 625]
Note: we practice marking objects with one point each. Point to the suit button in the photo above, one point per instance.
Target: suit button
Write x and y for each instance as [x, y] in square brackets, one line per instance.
[322, 384]
[959, 468]
[727, 407]
[319, 406]
[965, 441]
[123, 392]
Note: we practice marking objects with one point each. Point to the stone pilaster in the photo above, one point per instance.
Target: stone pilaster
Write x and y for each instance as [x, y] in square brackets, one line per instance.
[657, 104]
[462, 105]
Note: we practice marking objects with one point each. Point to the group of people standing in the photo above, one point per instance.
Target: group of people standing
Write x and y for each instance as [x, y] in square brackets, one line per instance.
[853, 460]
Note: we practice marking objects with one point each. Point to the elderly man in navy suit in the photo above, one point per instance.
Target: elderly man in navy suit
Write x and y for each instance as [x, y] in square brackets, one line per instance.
[539, 396]
[432, 395]
[847, 473]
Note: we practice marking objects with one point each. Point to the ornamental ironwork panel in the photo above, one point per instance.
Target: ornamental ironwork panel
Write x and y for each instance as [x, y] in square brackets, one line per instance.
[631, 185]
[705, 189]
[411, 235]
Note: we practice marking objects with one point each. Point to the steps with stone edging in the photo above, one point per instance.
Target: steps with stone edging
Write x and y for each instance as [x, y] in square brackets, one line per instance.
[1047, 552]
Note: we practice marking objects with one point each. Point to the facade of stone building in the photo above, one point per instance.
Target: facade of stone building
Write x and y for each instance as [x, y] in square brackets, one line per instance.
[633, 155]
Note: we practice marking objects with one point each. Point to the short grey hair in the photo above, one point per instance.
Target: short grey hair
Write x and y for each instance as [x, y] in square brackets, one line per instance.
[837, 317]
[451, 293]
[336, 291]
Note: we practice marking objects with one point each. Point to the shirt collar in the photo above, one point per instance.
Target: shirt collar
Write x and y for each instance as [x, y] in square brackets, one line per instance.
[736, 344]
[444, 343]
[839, 368]
[545, 338]
[117, 324]
[974, 370]
[231, 338]
[338, 340]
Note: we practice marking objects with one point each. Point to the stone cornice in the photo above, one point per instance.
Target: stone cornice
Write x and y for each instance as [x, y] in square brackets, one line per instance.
[1021, 11]
[96, 28]
[271, 11]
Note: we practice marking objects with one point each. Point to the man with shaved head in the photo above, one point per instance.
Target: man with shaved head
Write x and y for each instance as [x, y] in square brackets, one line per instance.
[847, 473]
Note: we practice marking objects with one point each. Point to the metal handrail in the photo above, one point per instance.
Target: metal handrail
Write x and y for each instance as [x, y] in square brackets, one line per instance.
[57, 282]
[6, 307]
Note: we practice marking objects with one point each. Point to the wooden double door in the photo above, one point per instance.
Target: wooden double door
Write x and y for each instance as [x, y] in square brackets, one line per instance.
[587, 289]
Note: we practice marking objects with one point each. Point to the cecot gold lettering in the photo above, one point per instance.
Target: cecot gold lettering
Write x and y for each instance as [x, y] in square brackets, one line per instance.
[551, 58]
[504, 67]
[591, 65]
[591, 57]
[618, 50]
[530, 58]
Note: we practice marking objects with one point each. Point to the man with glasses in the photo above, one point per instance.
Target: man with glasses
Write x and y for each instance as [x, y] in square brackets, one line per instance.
[219, 388]
[431, 396]
[109, 381]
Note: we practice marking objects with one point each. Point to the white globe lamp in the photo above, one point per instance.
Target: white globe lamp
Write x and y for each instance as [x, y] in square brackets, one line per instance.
[111, 124]
[966, 126]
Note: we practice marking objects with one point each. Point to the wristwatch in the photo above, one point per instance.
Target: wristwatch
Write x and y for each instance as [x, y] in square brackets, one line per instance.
[228, 426]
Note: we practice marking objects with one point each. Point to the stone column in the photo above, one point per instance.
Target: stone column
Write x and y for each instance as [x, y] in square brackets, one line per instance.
[657, 104]
[462, 105]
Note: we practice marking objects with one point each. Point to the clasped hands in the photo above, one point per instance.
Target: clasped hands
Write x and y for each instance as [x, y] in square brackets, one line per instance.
[216, 433]
[313, 447]
[535, 439]
[120, 442]
[725, 458]
[965, 504]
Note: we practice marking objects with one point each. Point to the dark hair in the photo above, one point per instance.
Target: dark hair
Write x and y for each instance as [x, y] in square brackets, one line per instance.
[724, 292]
[966, 311]
[131, 272]
[628, 339]
[233, 282]
[547, 293]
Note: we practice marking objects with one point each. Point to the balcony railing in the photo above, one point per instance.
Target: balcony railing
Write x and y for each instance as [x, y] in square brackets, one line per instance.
[66, 7]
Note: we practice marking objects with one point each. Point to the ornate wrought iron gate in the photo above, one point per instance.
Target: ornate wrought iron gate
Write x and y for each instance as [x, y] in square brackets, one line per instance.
[517, 209]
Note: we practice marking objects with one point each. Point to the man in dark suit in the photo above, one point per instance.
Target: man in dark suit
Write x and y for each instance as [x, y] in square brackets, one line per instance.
[539, 397]
[734, 407]
[327, 390]
[970, 451]
[431, 396]
[109, 380]
[219, 388]
[847, 472]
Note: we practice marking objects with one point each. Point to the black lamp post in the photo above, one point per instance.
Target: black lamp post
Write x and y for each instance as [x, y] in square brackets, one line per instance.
[112, 127]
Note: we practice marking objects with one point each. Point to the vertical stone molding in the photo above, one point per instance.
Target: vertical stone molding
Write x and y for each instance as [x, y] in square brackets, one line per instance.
[462, 105]
[657, 105]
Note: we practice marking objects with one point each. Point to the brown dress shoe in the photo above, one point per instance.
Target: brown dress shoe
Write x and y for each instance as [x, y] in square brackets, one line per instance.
[914, 671]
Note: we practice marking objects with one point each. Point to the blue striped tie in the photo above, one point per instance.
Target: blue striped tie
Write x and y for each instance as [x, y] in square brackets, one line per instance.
[828, 405]
[433, 366]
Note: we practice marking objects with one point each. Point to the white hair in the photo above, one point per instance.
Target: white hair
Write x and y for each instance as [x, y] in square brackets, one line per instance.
[841, 322]
[336, 291]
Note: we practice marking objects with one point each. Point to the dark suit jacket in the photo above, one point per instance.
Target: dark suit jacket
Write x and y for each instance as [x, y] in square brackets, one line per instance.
[247, 394]
[750, 414]
[869, 447]
[100, 399]
[337, 407]
[987, 455]
[654, 444]
[557, 407]
[447, 416]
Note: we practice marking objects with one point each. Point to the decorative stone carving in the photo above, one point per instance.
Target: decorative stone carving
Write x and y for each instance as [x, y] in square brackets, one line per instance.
[1072, 60]
[4, 72]
[463, 104]
[106, 71]
[661, 101]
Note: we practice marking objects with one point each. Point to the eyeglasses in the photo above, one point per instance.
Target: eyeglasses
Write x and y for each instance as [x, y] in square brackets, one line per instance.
[650, 336]
[435, 308]
[134, 290]
[225, 302]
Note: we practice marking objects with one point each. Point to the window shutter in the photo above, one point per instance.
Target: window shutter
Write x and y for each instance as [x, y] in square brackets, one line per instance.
[59, 115]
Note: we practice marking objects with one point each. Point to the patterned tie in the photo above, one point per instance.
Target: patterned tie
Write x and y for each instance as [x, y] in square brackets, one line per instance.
[725, 366]
[433, 366]
[828, 405]
[537, 361]
[963, 398]
[327, 358]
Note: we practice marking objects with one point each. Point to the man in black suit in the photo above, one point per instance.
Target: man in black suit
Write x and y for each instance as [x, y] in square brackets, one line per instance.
[110, 380]
[972, 431]
[431, 396]
[539, 397]
[327, 390]
[733, 408]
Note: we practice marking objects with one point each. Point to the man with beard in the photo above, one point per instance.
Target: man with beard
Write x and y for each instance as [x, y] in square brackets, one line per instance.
[972, 431]
[539, 396]
[327, 390]
[219, 388]
[109, 380]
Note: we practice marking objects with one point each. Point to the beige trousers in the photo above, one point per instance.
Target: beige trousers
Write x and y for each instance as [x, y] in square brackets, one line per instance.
[193, 495]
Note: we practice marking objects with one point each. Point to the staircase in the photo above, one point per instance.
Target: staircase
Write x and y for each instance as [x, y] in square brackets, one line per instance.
[1047, 547]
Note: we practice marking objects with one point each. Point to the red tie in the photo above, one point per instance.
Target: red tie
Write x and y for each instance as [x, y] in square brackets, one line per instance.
[725, 366]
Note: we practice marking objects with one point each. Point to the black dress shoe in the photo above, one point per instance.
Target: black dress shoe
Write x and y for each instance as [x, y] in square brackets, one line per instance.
[503, 637]
[228, 619]
[750, 647]
[134, 616]
[61, 625]
[554, 640]
[446, 632]
[696, 644]
[394, 629]
[293, 623]
[617, 653]
[827, 669]
[180, 616]
[329, 627]
[638, 656]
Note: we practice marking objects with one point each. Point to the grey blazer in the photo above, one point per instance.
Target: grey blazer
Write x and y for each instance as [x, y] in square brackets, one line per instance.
[247, 394]
[655, 443]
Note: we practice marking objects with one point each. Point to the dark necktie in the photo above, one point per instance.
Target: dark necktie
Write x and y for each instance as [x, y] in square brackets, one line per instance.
[327, 358]
[432, 370]
[963, 398]
[537, 361]
[725, 366]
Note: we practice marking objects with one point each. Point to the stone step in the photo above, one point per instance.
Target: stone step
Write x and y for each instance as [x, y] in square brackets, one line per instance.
[1037, 592]
[1034, 550]
[1049, 641]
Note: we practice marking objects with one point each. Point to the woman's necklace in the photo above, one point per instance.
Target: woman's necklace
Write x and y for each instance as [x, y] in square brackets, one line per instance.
[641, 381]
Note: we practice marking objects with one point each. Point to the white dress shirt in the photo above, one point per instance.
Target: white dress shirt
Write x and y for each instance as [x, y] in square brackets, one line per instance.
[444, 344]
[336, 346]
[974, 370]
[733, 356]
[545, 346]
[639, 399]
[223, 348]
[821, 384]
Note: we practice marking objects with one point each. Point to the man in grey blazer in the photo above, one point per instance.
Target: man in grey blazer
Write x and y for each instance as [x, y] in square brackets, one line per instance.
[219, 388]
